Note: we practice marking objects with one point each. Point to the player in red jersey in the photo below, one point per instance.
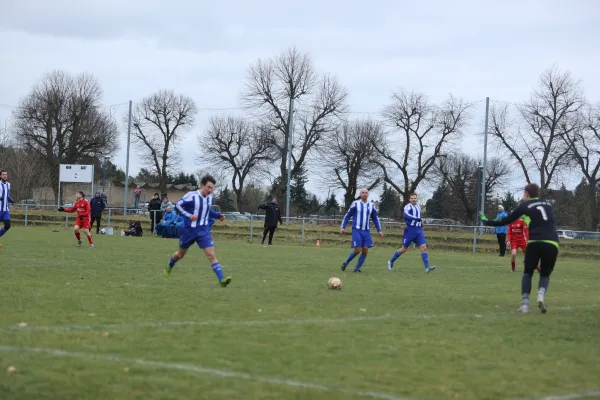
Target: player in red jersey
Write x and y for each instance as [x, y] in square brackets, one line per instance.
[83, 221]
[518, 234]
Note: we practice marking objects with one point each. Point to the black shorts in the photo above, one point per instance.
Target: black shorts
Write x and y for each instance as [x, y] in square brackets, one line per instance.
[542, 254]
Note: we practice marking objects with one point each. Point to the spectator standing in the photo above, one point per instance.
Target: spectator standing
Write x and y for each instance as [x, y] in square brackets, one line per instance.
[97, 206]
[154, 208]
[501, 231]
[272, 215]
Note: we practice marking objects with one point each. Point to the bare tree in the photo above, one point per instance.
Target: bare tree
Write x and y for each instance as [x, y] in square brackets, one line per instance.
[61, 120]
[27, 170]
[237, 146]
[459, 174]
[536, 140]
[423, 133]
[584, 145]
[158, 122]
[346, 157]
[271, 87]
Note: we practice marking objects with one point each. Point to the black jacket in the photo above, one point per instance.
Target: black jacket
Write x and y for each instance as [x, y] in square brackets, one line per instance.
[97, 206]
[154, 205]
[272, 213]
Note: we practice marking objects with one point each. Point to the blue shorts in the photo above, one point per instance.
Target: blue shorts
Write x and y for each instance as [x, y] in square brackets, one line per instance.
[4, 216]
[361, 238]
[188, 238]
[415, 236]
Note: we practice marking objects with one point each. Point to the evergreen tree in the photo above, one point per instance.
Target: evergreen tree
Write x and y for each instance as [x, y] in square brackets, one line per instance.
[225, 201]
[509, 202]
[298, 194]
[331, 205]
[390, 204]
[435, 205]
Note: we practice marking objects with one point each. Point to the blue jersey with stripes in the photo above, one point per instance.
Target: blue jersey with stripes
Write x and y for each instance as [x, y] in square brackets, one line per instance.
[412, 216]
[361, 214]
[193, 203]
[5, 196]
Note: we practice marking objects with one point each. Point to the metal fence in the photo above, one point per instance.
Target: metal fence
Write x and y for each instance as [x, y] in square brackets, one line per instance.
[297, 226]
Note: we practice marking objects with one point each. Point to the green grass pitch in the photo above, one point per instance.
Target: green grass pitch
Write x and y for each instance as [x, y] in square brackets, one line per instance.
[104, 323]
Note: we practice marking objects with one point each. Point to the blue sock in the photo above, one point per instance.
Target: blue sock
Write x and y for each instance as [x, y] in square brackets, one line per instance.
[216, 267]
[350, 257]
[361, 261]
[425, 257]
[395, 256]
[172, 262]
[2, 231]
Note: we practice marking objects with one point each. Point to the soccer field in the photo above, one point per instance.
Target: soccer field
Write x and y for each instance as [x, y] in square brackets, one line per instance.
[104, 323]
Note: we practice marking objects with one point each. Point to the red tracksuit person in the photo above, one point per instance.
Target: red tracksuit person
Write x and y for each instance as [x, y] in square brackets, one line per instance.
[518, 234]
[83, 221]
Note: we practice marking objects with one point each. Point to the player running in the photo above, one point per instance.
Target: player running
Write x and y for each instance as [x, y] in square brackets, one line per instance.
[542, 246]
[195, 209]
[413, 233]
[4, 200]
[518, 234]
[361, 211]
[83, 221]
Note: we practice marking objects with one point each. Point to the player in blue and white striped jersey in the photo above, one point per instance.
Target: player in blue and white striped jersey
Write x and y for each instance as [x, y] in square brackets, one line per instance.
[362, 212]
[4, 200]
[413, 233]
[195, 209]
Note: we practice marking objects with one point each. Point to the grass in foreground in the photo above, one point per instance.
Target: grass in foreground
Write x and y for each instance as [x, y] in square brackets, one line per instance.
[108, 325]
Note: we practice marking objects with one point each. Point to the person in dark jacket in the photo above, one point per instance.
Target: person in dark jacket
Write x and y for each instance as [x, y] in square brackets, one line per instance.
[97, 205]
[154, 208]
[272, 215]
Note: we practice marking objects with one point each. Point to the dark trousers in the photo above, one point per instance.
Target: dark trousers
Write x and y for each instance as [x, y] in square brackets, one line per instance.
[155, 216]
[97, 220]
[542, 254]
[502, 243]
[270, 230]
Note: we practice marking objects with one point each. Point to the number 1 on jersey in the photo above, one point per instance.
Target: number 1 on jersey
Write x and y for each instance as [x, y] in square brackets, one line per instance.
[544, 215]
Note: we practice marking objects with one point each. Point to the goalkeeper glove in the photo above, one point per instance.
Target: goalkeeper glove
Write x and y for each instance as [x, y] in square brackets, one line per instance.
[483, 218]
[61, 209]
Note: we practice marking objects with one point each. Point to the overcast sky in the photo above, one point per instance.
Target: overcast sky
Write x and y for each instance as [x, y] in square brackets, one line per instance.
[469, 48]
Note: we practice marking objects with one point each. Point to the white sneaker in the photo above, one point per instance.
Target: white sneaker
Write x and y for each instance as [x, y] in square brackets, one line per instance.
[390, 266]
[523, 309]
[541, 303]
[432, 268]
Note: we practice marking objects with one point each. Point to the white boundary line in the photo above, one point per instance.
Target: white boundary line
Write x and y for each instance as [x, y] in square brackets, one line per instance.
[236, 375]
[572, 396]
[259, 322]
[197, 369]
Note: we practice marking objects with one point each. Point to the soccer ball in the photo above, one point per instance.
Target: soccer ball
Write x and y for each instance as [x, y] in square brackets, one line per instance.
[103, 231]
[334, 283]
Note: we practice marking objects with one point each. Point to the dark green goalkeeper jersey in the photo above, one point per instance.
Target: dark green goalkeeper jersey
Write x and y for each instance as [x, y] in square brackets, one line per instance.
[542, 227]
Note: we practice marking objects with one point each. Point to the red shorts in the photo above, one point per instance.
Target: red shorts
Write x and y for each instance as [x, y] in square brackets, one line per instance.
[84, 223]
[518, 245]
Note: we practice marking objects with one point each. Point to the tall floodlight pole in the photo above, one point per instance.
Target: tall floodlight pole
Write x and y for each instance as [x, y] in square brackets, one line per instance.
[484, 170]
[289, 163]
[127, 160]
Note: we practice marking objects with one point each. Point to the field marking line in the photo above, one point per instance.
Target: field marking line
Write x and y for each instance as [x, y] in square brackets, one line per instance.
[258, 322]
[572, 396]
[222, 373]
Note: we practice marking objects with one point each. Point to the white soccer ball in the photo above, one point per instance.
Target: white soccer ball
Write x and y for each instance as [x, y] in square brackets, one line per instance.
[334, 283]
[103, 231]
